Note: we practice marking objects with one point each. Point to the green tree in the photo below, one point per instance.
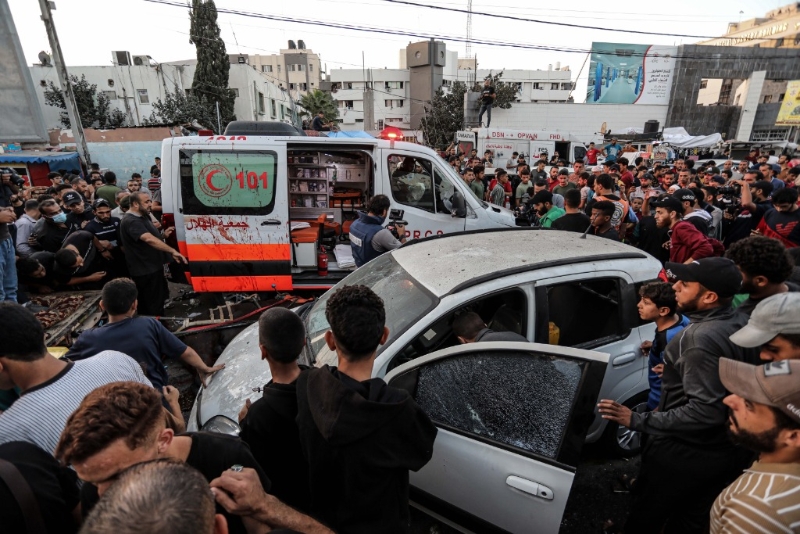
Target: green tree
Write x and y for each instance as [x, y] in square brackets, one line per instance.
[317, 100]
[210, 83]
[506, 92]
[93, 107]
[177, 108]
[445, 116]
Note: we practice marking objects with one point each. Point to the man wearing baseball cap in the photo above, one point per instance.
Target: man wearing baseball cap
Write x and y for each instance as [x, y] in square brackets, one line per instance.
[774, 326]
[764, 417]
[687, 458]
[699, 218]
[78, 214]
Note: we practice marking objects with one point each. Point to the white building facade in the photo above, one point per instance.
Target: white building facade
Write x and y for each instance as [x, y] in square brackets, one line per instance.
[296, 69]
[390, 97]
[134, 89]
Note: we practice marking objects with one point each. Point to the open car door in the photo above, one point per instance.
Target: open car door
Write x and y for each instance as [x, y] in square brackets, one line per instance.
[512, 419]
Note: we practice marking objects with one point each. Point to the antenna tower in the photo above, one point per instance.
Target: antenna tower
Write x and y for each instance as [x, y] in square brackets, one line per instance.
[469, 29]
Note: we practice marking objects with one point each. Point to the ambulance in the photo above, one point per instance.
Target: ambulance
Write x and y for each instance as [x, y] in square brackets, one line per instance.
[266, 213]
[530, 143]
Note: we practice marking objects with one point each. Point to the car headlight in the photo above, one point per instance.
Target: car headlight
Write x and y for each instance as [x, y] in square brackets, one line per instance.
[222, 425]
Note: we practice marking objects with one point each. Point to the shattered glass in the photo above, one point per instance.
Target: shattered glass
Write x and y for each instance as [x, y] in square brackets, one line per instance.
[519, 399]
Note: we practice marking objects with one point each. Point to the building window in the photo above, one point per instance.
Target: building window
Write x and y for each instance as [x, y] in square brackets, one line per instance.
[538, 85]
[301, 68]
[348, 104]
[266, 68]
[400, 103]
[273, 109]
[770, 135]
[780, 98]
[261, 109]
[359, 120]
[283, 113]
[725, 92]
[304, 87]
[291, 87]
[767, 99]
[387, 103]
[187, 92]
[566, 86]
[348, 85]
[235, 92]
[703, 84]
[279, 68]
[779, 42]
[380, 124]
[554, 86]
[393, 85]
[311, 68]
[143, 98]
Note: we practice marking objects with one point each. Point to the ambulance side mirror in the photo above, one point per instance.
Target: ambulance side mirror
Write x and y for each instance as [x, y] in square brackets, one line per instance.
[459, 205]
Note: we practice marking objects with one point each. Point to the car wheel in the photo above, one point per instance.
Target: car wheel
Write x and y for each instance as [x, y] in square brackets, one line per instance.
[623, 442]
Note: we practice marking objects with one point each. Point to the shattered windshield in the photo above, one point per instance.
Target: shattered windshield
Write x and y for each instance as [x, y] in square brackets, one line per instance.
[404, 298]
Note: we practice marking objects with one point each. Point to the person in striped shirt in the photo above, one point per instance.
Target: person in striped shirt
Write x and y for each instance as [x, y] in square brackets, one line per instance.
[764, 417]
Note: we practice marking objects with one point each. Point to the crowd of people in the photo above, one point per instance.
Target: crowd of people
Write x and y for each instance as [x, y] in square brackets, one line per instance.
[80, 232]
[98, 441]
[674, 212]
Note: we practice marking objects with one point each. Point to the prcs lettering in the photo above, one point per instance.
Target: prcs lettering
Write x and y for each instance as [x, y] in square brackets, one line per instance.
[416, 234]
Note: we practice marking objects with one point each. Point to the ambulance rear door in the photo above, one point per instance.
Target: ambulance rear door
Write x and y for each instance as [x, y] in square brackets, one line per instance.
[235, 213]
[541, 147]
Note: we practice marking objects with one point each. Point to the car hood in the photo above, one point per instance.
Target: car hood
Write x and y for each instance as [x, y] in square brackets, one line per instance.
[227, 390]
[501, 215]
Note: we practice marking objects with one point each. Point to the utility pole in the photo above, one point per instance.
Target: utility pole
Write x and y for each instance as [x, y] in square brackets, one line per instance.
[63, 78]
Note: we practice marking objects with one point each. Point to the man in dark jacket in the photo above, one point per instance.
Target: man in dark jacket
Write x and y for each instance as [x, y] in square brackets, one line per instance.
[688, 458]
[359, 435]
[268, 425]
[368, 238]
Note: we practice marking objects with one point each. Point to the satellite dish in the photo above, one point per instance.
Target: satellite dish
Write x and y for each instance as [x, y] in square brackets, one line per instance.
[44, 59]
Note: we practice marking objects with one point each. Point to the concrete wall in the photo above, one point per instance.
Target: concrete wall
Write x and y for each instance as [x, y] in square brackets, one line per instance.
[696, 62]
[396, 112]
[126, 158]
[709, 94]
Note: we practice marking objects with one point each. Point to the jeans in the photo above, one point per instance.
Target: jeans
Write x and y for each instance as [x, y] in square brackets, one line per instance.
[485, 108]
[8, 271]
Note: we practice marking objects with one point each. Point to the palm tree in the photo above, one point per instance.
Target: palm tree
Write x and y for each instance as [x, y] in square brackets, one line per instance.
[317, 100]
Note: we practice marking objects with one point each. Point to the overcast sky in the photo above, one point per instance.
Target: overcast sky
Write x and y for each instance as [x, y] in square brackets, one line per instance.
[90, 29]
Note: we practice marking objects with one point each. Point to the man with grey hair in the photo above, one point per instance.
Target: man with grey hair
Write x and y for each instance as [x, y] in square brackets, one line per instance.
[162, 496]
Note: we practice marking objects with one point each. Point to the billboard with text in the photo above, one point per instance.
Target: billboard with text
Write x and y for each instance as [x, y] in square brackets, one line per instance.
[630, 74]
[789, 114]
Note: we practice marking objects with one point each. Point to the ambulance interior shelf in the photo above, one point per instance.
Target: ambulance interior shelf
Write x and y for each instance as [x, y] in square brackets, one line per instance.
[313, 177]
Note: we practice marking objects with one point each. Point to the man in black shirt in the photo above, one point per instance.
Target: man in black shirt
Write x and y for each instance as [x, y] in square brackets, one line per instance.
[574, 220]
[359, 435]
[268, 425]
[318, 123]
[106, 228]
[602, 211]
[79, 214]
[145, 254]
[54, 488]
[122, 424]
[81, 257]
[487, 99]
[53, 228]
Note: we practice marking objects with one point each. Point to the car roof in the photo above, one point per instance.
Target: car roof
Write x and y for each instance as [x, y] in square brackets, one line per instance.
[452, 262]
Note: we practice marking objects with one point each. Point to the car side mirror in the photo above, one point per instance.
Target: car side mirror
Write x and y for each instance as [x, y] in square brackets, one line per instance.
[459, 205]
[222, 425]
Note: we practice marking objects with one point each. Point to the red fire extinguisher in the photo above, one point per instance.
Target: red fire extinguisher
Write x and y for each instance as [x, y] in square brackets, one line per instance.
[322, 263]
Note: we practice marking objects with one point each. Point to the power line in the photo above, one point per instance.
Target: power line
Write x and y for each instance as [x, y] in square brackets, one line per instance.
[386, 31]
[547, 22]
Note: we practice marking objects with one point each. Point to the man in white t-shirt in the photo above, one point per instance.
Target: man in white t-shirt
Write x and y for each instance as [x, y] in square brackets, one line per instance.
[51, 389]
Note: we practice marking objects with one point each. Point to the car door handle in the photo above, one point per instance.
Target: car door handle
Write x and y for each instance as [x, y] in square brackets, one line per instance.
[530, 487]
[271, 222]
[622, 359]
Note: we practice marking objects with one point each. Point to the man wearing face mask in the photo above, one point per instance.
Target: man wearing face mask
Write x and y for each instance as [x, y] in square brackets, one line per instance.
[53, 228]
[368, 238]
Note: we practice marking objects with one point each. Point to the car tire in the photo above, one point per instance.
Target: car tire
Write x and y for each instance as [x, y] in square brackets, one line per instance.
[623, 442]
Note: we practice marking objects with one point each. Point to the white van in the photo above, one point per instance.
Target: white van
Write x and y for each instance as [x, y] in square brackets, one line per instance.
[530, 143]
[251, 212]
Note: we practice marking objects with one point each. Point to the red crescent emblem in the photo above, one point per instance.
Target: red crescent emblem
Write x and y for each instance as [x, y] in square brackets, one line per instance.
[209, 183]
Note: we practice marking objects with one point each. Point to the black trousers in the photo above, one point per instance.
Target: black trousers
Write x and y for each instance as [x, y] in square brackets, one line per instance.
[678, 483]
[153, 291]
